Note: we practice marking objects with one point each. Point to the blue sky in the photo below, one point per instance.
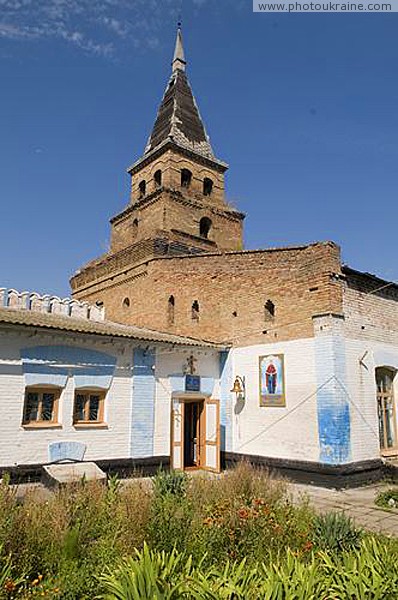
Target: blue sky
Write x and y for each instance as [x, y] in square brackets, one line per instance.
[303, 107]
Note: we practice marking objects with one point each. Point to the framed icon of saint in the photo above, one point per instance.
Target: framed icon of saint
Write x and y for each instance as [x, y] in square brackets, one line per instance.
[272, 380]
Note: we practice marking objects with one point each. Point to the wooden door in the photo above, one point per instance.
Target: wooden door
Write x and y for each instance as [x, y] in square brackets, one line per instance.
[177, 435]
[210, 456]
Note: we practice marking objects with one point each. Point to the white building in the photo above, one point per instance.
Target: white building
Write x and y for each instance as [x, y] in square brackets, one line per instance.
[75, 386]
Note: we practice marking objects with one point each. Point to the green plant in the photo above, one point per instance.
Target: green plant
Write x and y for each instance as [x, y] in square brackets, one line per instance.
[170, 482]
[113, 486]
[149, 576]
[336, 532]
[170, 512]
[235, 580]
[388, 498]
[7, 584]
[367, 573]
[293, 579]
[246, 539]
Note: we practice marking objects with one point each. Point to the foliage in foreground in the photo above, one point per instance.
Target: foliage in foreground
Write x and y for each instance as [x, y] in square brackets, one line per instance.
[59, 545]
[368, 572]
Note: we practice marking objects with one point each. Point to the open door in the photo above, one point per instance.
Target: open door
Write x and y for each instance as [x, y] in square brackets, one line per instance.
[211, 438]
[177, 435]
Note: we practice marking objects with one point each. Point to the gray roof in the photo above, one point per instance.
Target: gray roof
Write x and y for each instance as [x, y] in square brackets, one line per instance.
[29, 318]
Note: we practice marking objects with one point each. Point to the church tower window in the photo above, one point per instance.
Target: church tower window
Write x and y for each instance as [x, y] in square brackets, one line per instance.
[204, 227]
[135, 228]
[195, 311]
[142, 188]
[207, 186]
[186, 178]
[269, 310]
[158, 178]
[171, 310]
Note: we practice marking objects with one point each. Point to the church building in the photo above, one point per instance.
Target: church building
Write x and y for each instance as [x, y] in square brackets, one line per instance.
[213, 353]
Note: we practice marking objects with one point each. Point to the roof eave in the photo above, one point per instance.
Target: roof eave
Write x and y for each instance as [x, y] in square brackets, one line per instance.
[170, 144]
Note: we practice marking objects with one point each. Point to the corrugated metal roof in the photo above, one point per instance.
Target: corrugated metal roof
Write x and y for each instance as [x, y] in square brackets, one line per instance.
[29, 318]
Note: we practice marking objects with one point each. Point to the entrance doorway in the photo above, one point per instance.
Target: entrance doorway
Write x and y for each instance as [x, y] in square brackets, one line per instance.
[195, 433]
[386, 411]
[192, 438]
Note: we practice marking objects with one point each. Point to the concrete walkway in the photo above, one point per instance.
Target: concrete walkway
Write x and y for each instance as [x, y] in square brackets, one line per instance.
[357, 503]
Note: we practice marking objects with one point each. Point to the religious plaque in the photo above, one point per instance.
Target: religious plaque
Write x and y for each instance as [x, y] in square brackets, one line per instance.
[272, 380]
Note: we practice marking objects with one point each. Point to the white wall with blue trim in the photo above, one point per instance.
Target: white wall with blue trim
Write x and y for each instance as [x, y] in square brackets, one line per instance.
[69, 363]
[138, 380]
[171, 367]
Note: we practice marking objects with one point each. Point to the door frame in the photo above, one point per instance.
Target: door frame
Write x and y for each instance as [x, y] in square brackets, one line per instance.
[182, 399]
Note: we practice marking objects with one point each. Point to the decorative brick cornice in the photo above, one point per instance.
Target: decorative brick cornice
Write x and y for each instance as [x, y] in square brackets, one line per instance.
[178, 196]
[169, 144]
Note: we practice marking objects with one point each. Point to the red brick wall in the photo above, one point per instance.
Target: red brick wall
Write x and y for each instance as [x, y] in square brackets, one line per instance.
[231, 290]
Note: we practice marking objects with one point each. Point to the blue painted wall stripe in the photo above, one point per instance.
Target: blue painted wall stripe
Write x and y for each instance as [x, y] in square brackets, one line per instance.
[143, 403]
[333, 408]
[52, 365]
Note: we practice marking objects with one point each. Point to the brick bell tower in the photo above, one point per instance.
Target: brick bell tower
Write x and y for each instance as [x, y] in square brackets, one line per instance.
[177, 204]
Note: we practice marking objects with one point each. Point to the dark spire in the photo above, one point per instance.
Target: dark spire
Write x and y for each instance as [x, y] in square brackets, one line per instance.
[178, 117]
[179, 57]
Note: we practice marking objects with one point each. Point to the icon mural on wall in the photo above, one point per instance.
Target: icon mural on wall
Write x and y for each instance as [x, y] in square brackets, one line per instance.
[272, 380]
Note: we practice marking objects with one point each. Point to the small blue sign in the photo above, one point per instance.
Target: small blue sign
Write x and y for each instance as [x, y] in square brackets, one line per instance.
[192, 383]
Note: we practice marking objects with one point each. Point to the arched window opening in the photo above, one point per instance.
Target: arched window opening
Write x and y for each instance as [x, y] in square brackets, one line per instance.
[142, 188]
[158, 178]
[207, 186]
[269, 310]
[195, 311]
[386, 408]
[126, 303]
[171, 310]
[135, 228]
[186, 178]
[204, 227]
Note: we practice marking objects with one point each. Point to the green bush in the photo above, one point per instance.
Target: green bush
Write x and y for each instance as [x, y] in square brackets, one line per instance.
[388, 498]
[67, 537]
[170, 482]
[170, 522]
[336, 532]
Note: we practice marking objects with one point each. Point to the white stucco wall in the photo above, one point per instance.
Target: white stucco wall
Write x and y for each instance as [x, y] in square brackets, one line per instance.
[290, 432]
[371, 334]
[363, 357]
